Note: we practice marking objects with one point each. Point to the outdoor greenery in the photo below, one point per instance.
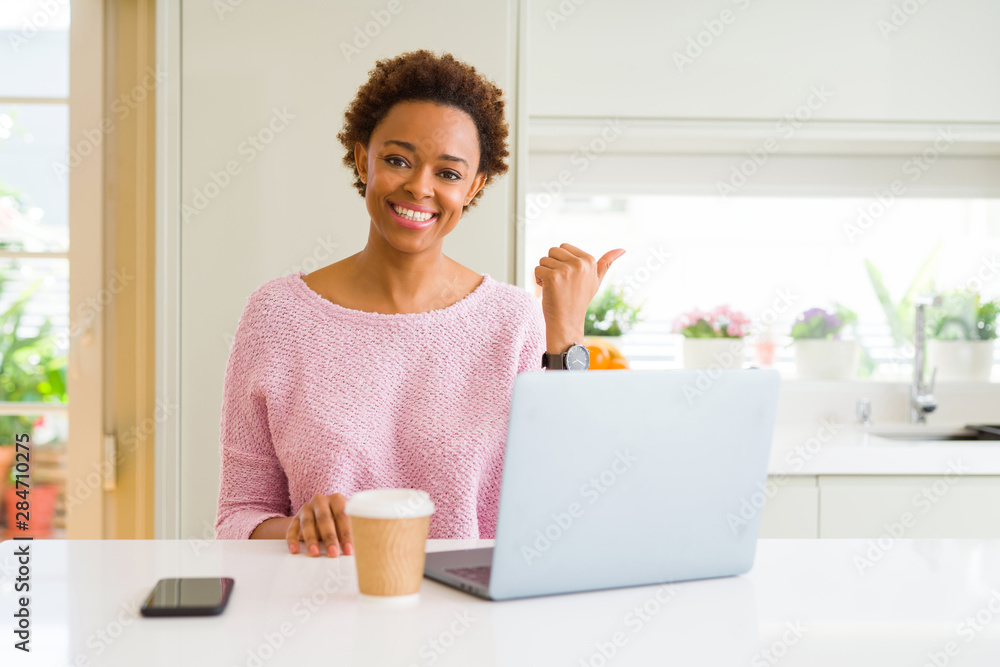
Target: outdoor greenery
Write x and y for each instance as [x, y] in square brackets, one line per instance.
[30, 367]
[900, 316]
[610, 314]
[961, 316]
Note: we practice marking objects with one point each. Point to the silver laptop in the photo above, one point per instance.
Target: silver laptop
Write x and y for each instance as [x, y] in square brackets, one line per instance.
[624, 478]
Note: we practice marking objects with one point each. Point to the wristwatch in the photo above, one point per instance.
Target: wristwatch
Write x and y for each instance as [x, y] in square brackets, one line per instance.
[575, 358]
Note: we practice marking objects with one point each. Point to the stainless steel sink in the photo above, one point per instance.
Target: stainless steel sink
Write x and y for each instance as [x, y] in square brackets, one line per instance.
[927, 432]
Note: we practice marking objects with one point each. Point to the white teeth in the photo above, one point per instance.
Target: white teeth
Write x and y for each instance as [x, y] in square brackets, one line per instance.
[409, 214]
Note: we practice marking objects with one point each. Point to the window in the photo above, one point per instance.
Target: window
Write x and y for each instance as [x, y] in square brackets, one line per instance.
[795, 238]
[34, 252]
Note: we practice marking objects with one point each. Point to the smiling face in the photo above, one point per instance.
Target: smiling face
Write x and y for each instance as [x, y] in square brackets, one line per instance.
[419, 170]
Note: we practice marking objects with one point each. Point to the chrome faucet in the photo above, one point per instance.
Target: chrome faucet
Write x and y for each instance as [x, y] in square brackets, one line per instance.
[922, 398]
[864, 411]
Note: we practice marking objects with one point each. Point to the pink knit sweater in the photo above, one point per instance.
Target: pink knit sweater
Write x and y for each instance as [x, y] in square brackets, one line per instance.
[319, 398]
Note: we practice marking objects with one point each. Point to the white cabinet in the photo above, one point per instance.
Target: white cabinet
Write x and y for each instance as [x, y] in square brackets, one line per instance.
[913, 506]
[793, 510]
[852, 60]
[883, 506]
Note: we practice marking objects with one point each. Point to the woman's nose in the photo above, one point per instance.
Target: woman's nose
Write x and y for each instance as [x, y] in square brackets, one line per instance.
[419, 184]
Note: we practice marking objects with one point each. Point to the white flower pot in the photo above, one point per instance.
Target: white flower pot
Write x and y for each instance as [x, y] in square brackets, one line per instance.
[960, 360]
[825, 359]
[724, 353]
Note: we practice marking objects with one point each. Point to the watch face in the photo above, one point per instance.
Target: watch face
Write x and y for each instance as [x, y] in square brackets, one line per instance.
[577, 358]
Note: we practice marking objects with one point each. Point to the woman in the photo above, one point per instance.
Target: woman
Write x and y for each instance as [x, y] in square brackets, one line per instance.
[393, 367]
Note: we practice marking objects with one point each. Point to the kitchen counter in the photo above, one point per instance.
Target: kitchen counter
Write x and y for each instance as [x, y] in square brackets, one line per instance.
[827, 448]
[806, 602]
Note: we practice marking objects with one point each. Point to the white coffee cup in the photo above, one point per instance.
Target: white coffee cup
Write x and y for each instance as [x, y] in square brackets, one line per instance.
[389, 529]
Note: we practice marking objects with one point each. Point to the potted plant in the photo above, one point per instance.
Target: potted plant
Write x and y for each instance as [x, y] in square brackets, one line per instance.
[961, 336]
[900, 315]
[820, 352]
[30, 370]
[41, 498]
[714, 338]
[609, 316]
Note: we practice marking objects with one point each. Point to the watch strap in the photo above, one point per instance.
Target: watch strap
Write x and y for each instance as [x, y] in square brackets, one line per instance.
[554, 361]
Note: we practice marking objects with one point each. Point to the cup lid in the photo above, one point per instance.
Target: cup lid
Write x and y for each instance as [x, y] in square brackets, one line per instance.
[390, 504]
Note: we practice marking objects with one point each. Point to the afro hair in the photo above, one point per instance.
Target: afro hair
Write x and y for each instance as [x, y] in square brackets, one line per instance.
[422, 76]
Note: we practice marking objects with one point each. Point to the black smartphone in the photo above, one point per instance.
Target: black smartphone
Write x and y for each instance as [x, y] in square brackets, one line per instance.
[188, 596]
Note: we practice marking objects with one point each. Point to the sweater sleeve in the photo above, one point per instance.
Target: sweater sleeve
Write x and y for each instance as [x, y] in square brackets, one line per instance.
[253, 486]
[534, 341]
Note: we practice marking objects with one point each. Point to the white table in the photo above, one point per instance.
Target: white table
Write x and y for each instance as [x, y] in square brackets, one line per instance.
[804, 601]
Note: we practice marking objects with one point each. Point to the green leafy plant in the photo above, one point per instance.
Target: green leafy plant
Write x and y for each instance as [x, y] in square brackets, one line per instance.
[817, 323]
[900, 315]
[961, 316]
[30, 367]
[610, 314]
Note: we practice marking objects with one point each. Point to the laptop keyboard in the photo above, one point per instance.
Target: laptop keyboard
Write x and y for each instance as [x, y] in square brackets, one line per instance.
[480, 574]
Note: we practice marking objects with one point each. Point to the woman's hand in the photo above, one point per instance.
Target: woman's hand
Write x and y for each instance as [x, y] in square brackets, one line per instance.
[321, 522]
[570, 279]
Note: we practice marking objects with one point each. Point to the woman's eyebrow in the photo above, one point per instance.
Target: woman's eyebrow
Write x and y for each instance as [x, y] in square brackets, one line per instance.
[413, 149]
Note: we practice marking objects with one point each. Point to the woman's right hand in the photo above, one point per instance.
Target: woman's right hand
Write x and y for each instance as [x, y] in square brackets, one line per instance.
[321, 523]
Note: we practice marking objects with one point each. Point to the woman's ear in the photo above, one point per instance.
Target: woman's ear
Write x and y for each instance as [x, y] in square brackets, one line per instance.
[477, 184]
[361, 161]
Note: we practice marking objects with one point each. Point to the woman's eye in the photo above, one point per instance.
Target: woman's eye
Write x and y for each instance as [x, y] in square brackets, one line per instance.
[394, 160]
[452, 175]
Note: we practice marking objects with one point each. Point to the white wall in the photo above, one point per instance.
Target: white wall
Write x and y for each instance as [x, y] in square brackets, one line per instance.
[939, 63]
[589, 59]
[294, 198]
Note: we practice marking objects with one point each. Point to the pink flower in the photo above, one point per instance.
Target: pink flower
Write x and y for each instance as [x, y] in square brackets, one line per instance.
[736, 322]
[687, 319]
